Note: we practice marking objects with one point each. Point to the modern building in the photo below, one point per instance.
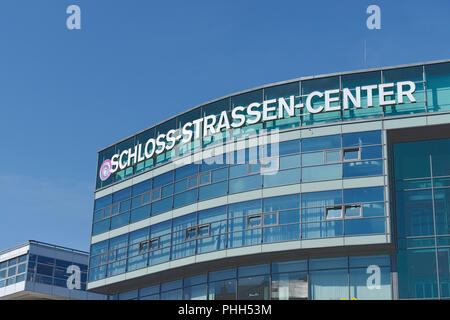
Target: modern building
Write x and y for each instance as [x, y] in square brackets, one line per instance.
[41, 271]
[325, 187]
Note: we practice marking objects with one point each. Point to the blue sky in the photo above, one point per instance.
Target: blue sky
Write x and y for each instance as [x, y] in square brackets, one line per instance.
[65, 94]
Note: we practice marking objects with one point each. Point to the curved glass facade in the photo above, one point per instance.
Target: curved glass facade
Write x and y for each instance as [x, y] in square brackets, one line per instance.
[339, 162]
[319, 279]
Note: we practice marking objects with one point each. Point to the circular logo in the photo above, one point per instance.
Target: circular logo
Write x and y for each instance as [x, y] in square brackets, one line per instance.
[105, 170]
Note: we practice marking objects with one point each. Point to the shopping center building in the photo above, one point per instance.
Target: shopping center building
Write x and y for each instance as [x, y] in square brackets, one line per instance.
[323, 187]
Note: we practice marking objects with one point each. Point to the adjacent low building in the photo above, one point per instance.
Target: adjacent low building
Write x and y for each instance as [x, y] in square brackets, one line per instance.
[325, 187]
[37, 270]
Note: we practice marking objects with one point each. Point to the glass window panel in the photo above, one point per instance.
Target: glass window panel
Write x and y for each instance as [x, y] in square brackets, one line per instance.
[219, 175]
[270, 218]
[358, 139]
[440, 157]
[411, 160]
[161, 206]
[192, 181]
[181, 186]
[186, 171]
[121, 195]
[334, 213]
[213, 190]
[371, 283]
[365, 261]
[289, 161]
[353, 211]
[149, 290]
[329, 285]
[321, 143]
[244, 238]
[120, 220]
[238, 170]
[373, 209]
[327, 263]
[442, 210]
[333, 156]
[253, 270]
[444, 271]
[289, 216]
[167, 286]
[244, 208]
[363, 168]
[142, 187]
[103, 202]
[254, 288]
[414, 211]
[222, 290]
[281, 233]
[320, 173]
[417, 277]
[140, 213]
[312, 158]
[322, 198]
[364, 226]
[290, 286]
[205, 178]
[245, 184]
[283, 177]
[124, 206]
[326, 229]
[281, 203]
[211, 215]
[438, 86]
[100, 227]
[197, 292]
[351, 154]
[313, 214]
[254, 221]
[359, 195]
[185, 198]
[222, 274]
[289, 266]
[371, 153]
[163, 179]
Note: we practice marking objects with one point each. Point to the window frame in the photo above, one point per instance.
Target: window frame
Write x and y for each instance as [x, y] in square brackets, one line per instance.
[327, 208]
[252, 216]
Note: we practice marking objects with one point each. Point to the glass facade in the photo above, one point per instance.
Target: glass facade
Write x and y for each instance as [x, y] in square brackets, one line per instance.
[268, 220]
[353, 178]
[354, 277]
[422, 172]
[13, 270]
[39, 269]
[432, 94]
[307, 160]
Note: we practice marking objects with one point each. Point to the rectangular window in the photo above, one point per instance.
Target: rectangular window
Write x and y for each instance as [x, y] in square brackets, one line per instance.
[205, 178]
[191, 233]
[203, 231]
[192, 182]
[353, 211]
[156, 194]
[143, 246]
[334, 212]
[333, 156]
[253, 221]
[351, 154]
[270, 219]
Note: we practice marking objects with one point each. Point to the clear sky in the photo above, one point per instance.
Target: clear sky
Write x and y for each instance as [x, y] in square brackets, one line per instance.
[65, 94]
